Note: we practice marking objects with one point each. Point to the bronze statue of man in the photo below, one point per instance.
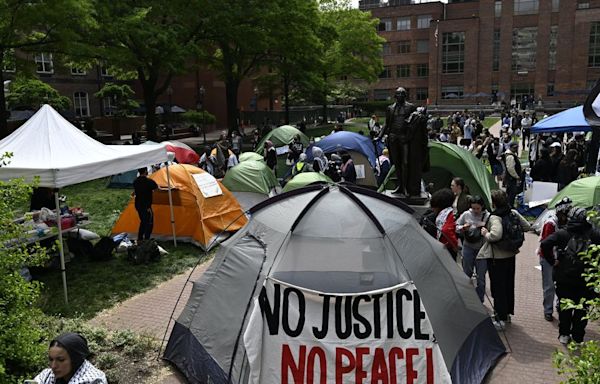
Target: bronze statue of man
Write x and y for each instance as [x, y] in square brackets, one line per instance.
[406, 128]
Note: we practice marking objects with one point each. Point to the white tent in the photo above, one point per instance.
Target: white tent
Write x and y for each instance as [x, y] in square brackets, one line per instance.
[50, 147]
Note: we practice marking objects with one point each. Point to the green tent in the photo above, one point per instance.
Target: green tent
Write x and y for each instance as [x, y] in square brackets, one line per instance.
[305, 178]
[584, 193]
[281, 136]
[449, 161]
[245, 156]
[250, 176]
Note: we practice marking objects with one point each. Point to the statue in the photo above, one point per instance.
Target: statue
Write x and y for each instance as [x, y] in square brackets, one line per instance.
[406, 127]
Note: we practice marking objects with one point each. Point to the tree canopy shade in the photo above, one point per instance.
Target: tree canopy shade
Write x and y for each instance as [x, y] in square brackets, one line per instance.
[36, 26]
[33, 93]
[120, 94]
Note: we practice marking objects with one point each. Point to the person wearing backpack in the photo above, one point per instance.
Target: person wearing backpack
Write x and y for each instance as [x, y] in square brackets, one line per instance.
[504, 235]
[568, 271]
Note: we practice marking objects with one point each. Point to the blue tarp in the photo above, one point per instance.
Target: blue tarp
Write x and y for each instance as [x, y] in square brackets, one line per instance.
[350, 141]
[571, 120]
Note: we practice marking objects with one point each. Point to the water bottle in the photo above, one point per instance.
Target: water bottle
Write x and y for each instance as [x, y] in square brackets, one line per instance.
[528, 179]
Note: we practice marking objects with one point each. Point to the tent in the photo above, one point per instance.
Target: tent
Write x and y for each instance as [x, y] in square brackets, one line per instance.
[584, 193]
[281, 136]
[245, 156]
[250, 182]
[49, 147]
[198, 219]
[259, 299]
[305, 178]
[125, 179]
[448, 161]
[570, 120]
[183, 153]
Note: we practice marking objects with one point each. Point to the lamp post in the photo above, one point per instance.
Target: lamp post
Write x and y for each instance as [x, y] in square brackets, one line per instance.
[256, 106]
[170, 94]
[201, 92]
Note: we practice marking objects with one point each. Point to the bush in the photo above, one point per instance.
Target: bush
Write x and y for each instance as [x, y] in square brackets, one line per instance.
[195, 117]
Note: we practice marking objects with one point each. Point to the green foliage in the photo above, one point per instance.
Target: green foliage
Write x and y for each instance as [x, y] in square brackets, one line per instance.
[199, 117]
[371, 107]
[121, 95]
[33, 93]
[19, 333]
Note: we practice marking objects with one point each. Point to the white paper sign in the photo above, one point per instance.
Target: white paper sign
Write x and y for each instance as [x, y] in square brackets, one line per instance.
[360, 171]
[300, 336]
[541, 192]
[208, 184]
[282, 150]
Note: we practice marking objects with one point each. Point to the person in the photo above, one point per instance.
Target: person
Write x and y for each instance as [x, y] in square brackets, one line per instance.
[568, 270]
[501, 262]
[42, 197]
[469, 225]
[556, 157]
[445, 224]
[461, 197]
[542, 169]
[553, 222]
[320, 162]
[407, 141]
[526, 123]
[270, 155]
[374, 126]
[383, 166]
[207, 161]
[67, 357]
[300, 166]
[296, 148]
[512, 176]
[348, 171]
[143, 188]
[567, 170]
[236, 142]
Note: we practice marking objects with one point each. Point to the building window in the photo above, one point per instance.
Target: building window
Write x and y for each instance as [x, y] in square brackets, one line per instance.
[453, 52]
[583, 4]
[8, 61]
[403, 70]
[517, 91]
[422, 94]
[385, 25]
[382, 94]
[422, 46]
[526, 7]
[81, 104]
[403, 23]
[422, 70]
[404, 46]
[594, 49]
[555, 5]
[43, 62]
[453, 92]
[550, 89]
[104, 71]
[524, 46]
[78, 71]
[386, 49]
[108, 106]
[386, 73]
[423, 21]
[498, 8]
[496, 51]
[552, 49]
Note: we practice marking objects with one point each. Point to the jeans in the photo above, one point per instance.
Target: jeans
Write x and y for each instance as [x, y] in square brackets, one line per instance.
[547, 286]
[146, 223]
[470, 263]
[502, 280]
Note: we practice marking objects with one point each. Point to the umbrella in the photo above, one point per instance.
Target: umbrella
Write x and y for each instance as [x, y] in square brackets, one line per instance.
[570, 120]
[451, 96]
[183, 153]
[177, 109]
[584, 193]
[305, 178]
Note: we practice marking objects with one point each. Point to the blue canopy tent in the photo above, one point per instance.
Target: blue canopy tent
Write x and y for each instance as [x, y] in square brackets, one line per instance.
[570, 120]
[350, 141]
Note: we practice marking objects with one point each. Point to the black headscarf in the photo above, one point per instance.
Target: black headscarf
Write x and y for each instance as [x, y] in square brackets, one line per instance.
[76, 346]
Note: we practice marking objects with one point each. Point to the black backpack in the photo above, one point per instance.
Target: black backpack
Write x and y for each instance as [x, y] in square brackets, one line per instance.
[104, 249]
[512, 233]
[144, 252]
[571, 266]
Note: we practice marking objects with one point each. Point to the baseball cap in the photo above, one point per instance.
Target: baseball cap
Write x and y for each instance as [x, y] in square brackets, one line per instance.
[555, 144]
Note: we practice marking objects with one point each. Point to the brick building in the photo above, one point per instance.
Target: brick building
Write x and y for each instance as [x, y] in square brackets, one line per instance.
[467, 52]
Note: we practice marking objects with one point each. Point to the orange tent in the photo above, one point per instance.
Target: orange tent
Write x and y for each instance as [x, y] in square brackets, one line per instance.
[198, 219]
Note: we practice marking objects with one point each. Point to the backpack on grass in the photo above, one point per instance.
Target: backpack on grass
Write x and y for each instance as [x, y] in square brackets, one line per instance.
[104, 249]
[513, 236]
[144, 252]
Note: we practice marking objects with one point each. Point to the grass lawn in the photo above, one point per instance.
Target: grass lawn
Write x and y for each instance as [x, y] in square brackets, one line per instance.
[94, 286]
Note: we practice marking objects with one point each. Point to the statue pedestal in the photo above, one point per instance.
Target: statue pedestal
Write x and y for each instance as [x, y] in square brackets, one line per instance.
[419, 204]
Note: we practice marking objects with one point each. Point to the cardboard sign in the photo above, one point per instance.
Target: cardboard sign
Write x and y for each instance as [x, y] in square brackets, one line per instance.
[282, 150]
[360, 171]
[298, 336]
[208, 184]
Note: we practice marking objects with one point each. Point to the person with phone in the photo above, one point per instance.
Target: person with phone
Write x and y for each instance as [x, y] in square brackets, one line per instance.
[68, 364]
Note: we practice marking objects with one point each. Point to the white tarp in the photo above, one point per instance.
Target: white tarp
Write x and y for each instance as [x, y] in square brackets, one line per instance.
[301, 336]
[50, 147]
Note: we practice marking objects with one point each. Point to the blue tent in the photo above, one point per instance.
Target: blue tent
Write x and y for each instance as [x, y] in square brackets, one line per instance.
[350, 141]
[571, 120]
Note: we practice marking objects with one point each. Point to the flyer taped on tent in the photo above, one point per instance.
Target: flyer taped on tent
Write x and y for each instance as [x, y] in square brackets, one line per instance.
[296, 335]
[208, 184]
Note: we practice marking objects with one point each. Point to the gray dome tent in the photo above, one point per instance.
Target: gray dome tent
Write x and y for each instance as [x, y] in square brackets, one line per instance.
[327, 238]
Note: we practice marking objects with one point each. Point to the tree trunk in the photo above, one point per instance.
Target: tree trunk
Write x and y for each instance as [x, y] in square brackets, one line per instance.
[325, 100]
[3, 112]
[286, 95]
[150, 95]
[231, 93]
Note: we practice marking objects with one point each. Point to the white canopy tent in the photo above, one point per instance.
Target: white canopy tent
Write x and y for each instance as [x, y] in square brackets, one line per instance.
[49, 147]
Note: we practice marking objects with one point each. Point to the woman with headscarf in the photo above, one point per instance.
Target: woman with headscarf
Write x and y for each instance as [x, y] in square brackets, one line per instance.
[68, 365]
[347, 169]
[270, 155]
[320, 162]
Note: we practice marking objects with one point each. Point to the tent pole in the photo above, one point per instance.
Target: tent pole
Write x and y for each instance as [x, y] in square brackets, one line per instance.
[60, 247]
[171, 206]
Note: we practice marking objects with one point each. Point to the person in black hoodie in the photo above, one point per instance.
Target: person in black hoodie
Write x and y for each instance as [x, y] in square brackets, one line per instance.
[568, 269]
[542, 169]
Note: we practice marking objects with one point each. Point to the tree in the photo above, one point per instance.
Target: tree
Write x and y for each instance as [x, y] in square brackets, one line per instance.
[33, 93]
[120, 94]
[36, 26]
[150, 40]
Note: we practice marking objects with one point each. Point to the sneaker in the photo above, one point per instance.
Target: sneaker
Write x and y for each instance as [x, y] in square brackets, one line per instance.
[548, 317]
[499, 325]
[564, 339]
[508, 320]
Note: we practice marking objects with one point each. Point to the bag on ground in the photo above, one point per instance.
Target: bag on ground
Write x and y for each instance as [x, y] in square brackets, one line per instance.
[104, 249]
[144, 252]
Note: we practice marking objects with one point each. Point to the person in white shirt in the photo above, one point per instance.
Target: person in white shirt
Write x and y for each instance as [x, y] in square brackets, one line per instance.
[526, 122]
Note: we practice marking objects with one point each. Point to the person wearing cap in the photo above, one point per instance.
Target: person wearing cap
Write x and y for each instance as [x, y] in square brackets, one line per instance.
[570, 285]
[553, 223]
[512, 176]
[68, 364]
[556, 156]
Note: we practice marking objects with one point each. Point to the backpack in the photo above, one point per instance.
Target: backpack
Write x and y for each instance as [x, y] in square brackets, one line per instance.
[571, 266]
[512, 234]
[144, 252]
[103, 250]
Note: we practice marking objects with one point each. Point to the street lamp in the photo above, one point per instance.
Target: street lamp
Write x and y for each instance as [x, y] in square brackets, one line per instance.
[201, 92]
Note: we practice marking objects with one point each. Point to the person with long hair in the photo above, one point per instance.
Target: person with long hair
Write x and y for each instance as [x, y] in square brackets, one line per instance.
[461, 196]
[567, 170]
